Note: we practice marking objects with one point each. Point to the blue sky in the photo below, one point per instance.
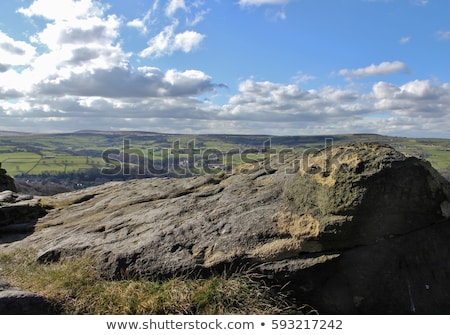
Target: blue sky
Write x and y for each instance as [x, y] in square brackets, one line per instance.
[281, 67]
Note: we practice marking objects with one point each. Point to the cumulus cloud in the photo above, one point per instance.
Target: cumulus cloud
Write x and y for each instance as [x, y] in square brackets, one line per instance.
[122, 82]
[277, 102]
[413, 99]
[381, 69]
[94, 31]
[258, 107]
[334, 110]
[84, 73]
[79, 39]
[187, 41]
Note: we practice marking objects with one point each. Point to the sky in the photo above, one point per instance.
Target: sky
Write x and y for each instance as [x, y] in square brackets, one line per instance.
[274, 67]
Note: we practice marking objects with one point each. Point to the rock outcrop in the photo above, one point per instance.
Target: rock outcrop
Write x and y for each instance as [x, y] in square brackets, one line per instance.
[14, 301]
[6, 182]
[354, 229]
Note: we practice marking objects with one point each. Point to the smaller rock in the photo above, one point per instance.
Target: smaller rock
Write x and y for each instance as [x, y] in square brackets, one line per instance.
[6, 182]
[6, 196]
[4, 285]
[14, 301]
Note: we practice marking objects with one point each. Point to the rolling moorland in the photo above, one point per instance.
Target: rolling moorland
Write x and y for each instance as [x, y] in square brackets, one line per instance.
[47, 164]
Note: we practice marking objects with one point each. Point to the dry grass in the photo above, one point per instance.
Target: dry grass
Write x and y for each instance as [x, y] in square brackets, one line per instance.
[75, 288]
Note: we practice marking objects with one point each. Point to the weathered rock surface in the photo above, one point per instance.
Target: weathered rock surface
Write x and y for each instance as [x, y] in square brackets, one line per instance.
[18, 212]
[18, 219]
[6, 182]
[14, 301]
[355, 229]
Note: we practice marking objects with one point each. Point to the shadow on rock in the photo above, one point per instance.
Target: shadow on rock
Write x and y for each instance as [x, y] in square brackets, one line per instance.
[14, 301]
[17, 220]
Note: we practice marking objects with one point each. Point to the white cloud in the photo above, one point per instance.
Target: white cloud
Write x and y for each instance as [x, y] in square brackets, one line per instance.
[405, 40]
[198, 17]
[301, 77]
[187, 41]
[443, 35]
[412, 109]
[420, 2]
[90, 31]
[138, 24]
[76, 46]
[161, 44]
[147, 97]
[419, 98]
[63, 9]
[78, 40]
[141, 23]
[172, 34]
[122, 82]
[382, 69]
[274, 102]
[262, 2]
[281, 15]
[174, 6]
[167, 42]
[272, 14]
[407, 110]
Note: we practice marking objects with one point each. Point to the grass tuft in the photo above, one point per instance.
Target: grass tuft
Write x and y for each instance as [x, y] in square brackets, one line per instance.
[75, 287]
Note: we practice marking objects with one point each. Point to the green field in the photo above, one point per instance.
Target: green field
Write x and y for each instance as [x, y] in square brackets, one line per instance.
[31, 154]
[17, 163]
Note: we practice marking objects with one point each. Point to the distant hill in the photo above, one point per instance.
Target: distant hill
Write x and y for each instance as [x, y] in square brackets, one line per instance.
[12, 133]
[114, 133]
